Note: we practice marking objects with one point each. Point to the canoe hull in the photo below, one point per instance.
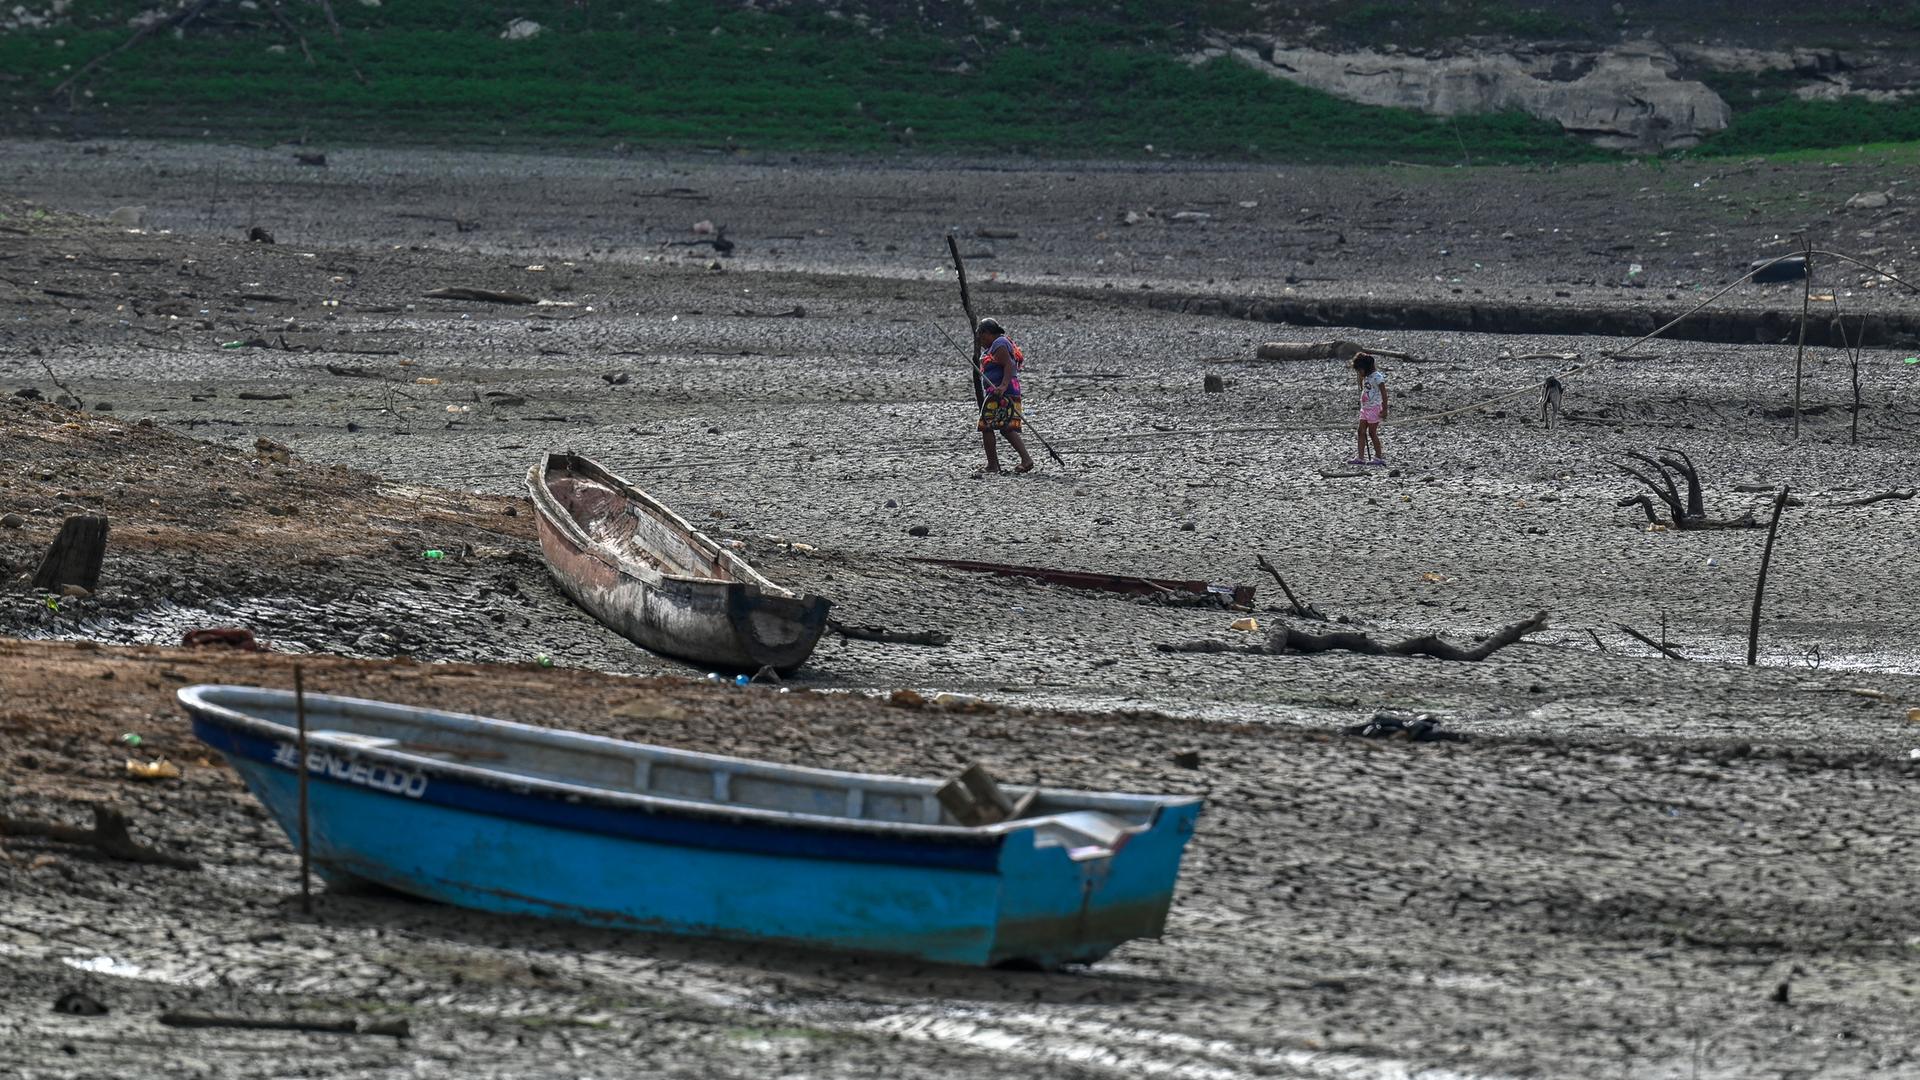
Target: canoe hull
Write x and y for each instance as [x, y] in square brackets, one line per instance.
[715, 620]
[502, 847]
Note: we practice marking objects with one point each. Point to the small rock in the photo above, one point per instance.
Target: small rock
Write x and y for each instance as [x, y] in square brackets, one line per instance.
[1187, 759]
[616, 378]
[1214, 384]
[12, 521]
[919, 530]
[893, 504]
[520, 30]
[76, 1003]
[1869, 200]
[128, 217]
[103, 406]
[907, 699]
[27, 393]
[78, 592]
[258, 235]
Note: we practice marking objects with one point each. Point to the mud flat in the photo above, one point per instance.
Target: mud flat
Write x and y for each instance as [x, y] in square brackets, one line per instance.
[1614, 875]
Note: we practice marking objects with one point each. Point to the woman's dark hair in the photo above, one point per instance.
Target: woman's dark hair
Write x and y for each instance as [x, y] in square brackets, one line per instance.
[990, 324]
[1363, 363]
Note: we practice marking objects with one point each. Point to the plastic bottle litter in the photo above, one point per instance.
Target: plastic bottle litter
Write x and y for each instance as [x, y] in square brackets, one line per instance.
[715, 677]
[131, 739]
[159, 769]
[230, 344]
[435, 553]
[543, 659]
[1711, 563]
[741, 680]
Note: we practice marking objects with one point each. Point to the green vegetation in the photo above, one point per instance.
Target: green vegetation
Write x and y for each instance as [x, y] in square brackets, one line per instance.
[1054, 80]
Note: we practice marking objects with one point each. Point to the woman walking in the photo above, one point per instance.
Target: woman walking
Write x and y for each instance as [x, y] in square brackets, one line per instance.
[999, 367]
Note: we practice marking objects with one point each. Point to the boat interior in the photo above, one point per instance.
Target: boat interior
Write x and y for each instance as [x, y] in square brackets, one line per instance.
[634, 530]
[1088, 824]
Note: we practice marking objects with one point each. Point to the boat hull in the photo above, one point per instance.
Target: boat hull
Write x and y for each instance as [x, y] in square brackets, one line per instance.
[710, 621]
[500, 846]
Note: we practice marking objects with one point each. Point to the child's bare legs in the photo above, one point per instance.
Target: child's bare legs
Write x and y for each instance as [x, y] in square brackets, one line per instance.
[993, 452]
[1015, 440]
[1371, 431]
[1360, 443]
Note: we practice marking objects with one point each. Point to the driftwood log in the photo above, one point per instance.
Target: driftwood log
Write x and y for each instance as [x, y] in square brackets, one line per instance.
[109, 836]
[1687, 513]
[485, 296]
[1321, 350]
[1896, 493]
[933, 638]
[76, 555]
[1285, 640]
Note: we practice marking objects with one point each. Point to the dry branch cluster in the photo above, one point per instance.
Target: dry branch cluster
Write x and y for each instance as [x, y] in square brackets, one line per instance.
[1688, 514]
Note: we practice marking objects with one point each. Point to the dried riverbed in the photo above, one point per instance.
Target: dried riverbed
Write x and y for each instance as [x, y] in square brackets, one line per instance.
[1612, 877]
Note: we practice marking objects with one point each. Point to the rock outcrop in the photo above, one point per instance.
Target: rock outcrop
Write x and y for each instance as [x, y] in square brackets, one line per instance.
[1626, 97]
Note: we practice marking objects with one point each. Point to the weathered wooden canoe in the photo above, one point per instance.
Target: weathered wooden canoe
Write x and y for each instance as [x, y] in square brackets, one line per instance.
[511, 818]
[642, 570]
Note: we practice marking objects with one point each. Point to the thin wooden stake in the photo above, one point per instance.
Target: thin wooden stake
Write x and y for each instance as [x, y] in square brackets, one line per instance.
[973, 324]
[1806, 307]
[1760, 586]
[306, 855]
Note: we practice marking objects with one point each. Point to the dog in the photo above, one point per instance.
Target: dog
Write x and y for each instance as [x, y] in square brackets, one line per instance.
[1550, 392]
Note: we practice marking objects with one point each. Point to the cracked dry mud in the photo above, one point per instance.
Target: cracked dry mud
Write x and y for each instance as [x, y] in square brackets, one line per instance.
[1613, 876]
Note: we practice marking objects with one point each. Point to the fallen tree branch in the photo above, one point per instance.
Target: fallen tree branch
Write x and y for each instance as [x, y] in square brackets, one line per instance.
[109, 836]
[1305, 611]
[1896, 493]
[1647, 641]
[485, 296]
[1285, 639]
[891, 637]
[398, 1029]
[1321, 350]
[1686, 514]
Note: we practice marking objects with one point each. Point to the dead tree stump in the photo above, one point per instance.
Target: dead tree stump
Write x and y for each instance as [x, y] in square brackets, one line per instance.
[76, 554]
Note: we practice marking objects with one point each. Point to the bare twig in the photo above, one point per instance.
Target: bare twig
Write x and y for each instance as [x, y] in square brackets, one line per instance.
[1305, 611]
[881, 634]
[1648, 642]
[1760, 584]
[1896, 493]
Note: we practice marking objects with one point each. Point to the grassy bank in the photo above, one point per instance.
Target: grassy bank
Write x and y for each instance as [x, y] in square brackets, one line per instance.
[700, 73]
[1048, 78]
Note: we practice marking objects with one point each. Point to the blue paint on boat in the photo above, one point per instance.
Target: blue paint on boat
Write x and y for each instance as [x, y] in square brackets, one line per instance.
[512, 818]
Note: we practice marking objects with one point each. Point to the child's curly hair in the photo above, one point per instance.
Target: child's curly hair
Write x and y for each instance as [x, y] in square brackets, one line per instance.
[1363, 363]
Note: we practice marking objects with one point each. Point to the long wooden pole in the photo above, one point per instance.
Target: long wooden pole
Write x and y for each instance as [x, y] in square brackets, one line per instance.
[973, 324]
[1760, 586]
[973, 351]
[1800, 354]
[306, 851]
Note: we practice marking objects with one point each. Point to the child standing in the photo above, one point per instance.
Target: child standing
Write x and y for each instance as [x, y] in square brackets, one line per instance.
[1373, 409]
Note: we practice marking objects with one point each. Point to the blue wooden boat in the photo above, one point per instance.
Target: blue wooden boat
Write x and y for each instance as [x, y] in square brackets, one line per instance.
[512, 818]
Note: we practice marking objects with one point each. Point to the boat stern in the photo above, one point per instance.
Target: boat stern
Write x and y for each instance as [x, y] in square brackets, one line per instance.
[1076, 886]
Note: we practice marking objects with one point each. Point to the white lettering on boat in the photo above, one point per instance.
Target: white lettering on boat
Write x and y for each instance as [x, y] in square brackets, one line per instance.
[409, 782]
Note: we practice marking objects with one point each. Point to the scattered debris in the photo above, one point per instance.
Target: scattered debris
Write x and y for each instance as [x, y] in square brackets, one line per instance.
[76, 1003]
[1305, 611]
[484, 296]
[109, 835]
[1237, 596]
[1321, 350]
[1187, 759]
[1213, 384]
[238, 638]
[974, 798]
[313, 158]
[1286, 640]
[157, 769]
[1643, 639]
[932, 638]
[1896, 493]
[1410, 728]
[398, 1029]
